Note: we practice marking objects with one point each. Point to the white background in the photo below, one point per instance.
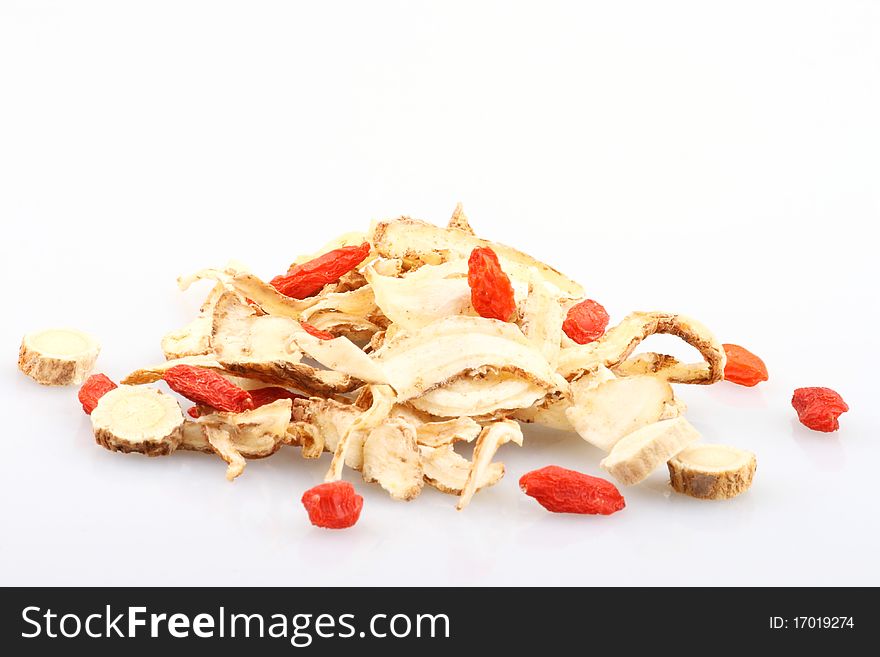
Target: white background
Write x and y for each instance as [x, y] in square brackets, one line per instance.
[717, 159]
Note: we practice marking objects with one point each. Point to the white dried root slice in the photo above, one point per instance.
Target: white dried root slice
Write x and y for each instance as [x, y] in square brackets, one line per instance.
[351, 238]
[193, 438]
[265, 347]
[194, 339]
[382, 403]
[391, 458]
[459, 221]
[257, 433]
[665, 367]
[490, 439]
[156, 372]
[253, 434]
[331, 421]
[340, 355]
[250, 287]
[58, 357]
[423, 295]
[437, 434]
[307, 437]
[416, 362]
[712, 472]
[541, 321]
[136, 419]
[353, 313]
[548, 412]
[604, 414]
[619, 342]
[448, 471]
[638, 454]
[419, 242]
[480, 395]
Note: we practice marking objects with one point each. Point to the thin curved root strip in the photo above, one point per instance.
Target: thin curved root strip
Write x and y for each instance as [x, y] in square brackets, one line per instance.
[490, 439]
[638, 454]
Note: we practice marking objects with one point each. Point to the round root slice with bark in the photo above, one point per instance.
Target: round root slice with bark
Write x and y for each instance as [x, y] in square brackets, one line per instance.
[58, 357]
[712, 472]
[138, 419]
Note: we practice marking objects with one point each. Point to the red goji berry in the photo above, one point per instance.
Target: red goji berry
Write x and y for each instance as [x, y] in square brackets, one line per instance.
[566, 491]
[315, 331]
[743, 367]
[491, 291]
[585, 321]
[194, 411]
[95, 387]
[335, 505]
[206, 387]
[308, 278]
[819, 408]
[263, 396]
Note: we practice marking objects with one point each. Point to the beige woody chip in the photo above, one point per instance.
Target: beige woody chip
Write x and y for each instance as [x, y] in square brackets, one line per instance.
[491, 438]
[391, 458]
[448, 471]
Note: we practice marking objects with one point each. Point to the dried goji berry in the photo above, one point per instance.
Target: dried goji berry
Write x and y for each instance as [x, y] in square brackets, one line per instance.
[205, 386]
[491, 291]
[567, 491]
[743, 367]
[335, 505]
[315, 331]
[818, 408]
[308, 278]
[263, 396]
[95, 387]
[194, 411]
[585, 321]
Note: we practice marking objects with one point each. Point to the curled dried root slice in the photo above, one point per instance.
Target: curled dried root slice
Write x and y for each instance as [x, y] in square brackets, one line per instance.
[136, 419]
[541, 321]
[604, 414]
[712, 472]
[436, 434]
[665, 367]
[448, 471]
[58, 357]
[490, 439]
[250, 287]
[418, 242]
[391, 458]
[252, 434]
[619, 342]
[382, 402]
[638, 454]
[479, 395]
[549, 412]
[416, 362]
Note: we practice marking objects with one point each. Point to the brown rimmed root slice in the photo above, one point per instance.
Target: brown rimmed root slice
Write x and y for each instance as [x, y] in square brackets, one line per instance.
[137, 419]
[416, 362]
[638, 454]
[604, 414]
[417, 242]
[58, 357]
[619, 342]
[448, 471]
[712, 472]
[490, 439]
[391, 458]
[252, 434]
